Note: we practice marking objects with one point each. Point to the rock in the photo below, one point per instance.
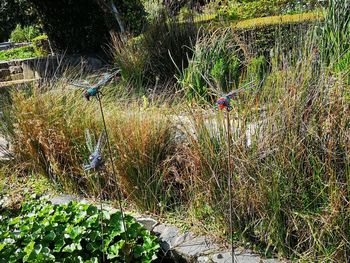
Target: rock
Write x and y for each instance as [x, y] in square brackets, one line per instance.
[110, 209]
[5, 74]
[18, 76]
[167, 235]
[62, 199]
[196, 247]
[3, 143]
[15, 62]
[15, 69]
[241, 257]
[272, 260]
[4, 65]
[147, 222]
[248, 258]
[184, 247]
[203, 259]
[28, 71]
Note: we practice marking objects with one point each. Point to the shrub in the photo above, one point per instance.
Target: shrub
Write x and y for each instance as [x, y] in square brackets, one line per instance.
[41, 46]
[24, 34]
[142, 160]
[311, 17]
[259, 36]
[185, 14]
[161, 52]
[246, 9]
[168, 46]
[18, 53]
[214, 67]
[13, 13]
[133, 15]
[43, 232]
[130, 58]
[153, 9]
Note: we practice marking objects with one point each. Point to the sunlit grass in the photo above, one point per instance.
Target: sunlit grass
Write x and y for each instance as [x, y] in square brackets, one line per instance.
[276, 20]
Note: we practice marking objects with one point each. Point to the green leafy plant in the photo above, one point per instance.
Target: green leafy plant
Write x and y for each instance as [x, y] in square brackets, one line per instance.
[24, 34]
[257, 70]
[158, 54]
[185, 14]
[133, 14]
[343, 65]
[43, 232]
[18, 53]
[153, 9]
[214, 67]
[13, 13]
[335, 31]
[41, 45]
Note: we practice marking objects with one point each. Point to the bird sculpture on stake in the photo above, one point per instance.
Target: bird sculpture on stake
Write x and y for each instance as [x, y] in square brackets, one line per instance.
[224, 103]
[96, 164]
[96, 161]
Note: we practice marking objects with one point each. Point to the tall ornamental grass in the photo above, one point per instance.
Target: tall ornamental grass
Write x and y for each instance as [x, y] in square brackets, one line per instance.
[291, 164]
[48, 136]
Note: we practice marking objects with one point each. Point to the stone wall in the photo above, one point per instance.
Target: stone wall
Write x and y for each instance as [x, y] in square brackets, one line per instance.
[46, 67]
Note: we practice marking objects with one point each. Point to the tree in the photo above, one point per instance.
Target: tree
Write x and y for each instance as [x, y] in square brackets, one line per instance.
[13, 12]
[82, 26]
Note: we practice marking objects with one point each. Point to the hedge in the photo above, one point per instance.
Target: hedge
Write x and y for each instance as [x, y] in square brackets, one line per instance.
[258, 36]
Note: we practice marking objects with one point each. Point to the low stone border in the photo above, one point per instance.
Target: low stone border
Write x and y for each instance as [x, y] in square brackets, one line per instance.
[179, 247]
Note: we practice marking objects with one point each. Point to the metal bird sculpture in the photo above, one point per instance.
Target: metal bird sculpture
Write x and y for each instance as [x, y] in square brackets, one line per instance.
[91, 90]
[225, 101]
[96, 160]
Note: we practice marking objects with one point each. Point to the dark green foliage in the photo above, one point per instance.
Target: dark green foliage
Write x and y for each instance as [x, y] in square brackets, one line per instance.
[43, 232]
[257, 70]
[24, 34]
[84, 26]
[214, 67]
[13, 12]
[73, 26]
[41, 45]
[133, 15]
[156, 55]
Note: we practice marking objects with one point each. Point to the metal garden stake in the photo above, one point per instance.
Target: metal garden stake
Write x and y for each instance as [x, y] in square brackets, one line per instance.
[96, 163]
[96, 160]
[225, 103]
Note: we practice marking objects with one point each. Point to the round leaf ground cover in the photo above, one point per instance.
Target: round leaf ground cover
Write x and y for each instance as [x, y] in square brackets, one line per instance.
[43, 232]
